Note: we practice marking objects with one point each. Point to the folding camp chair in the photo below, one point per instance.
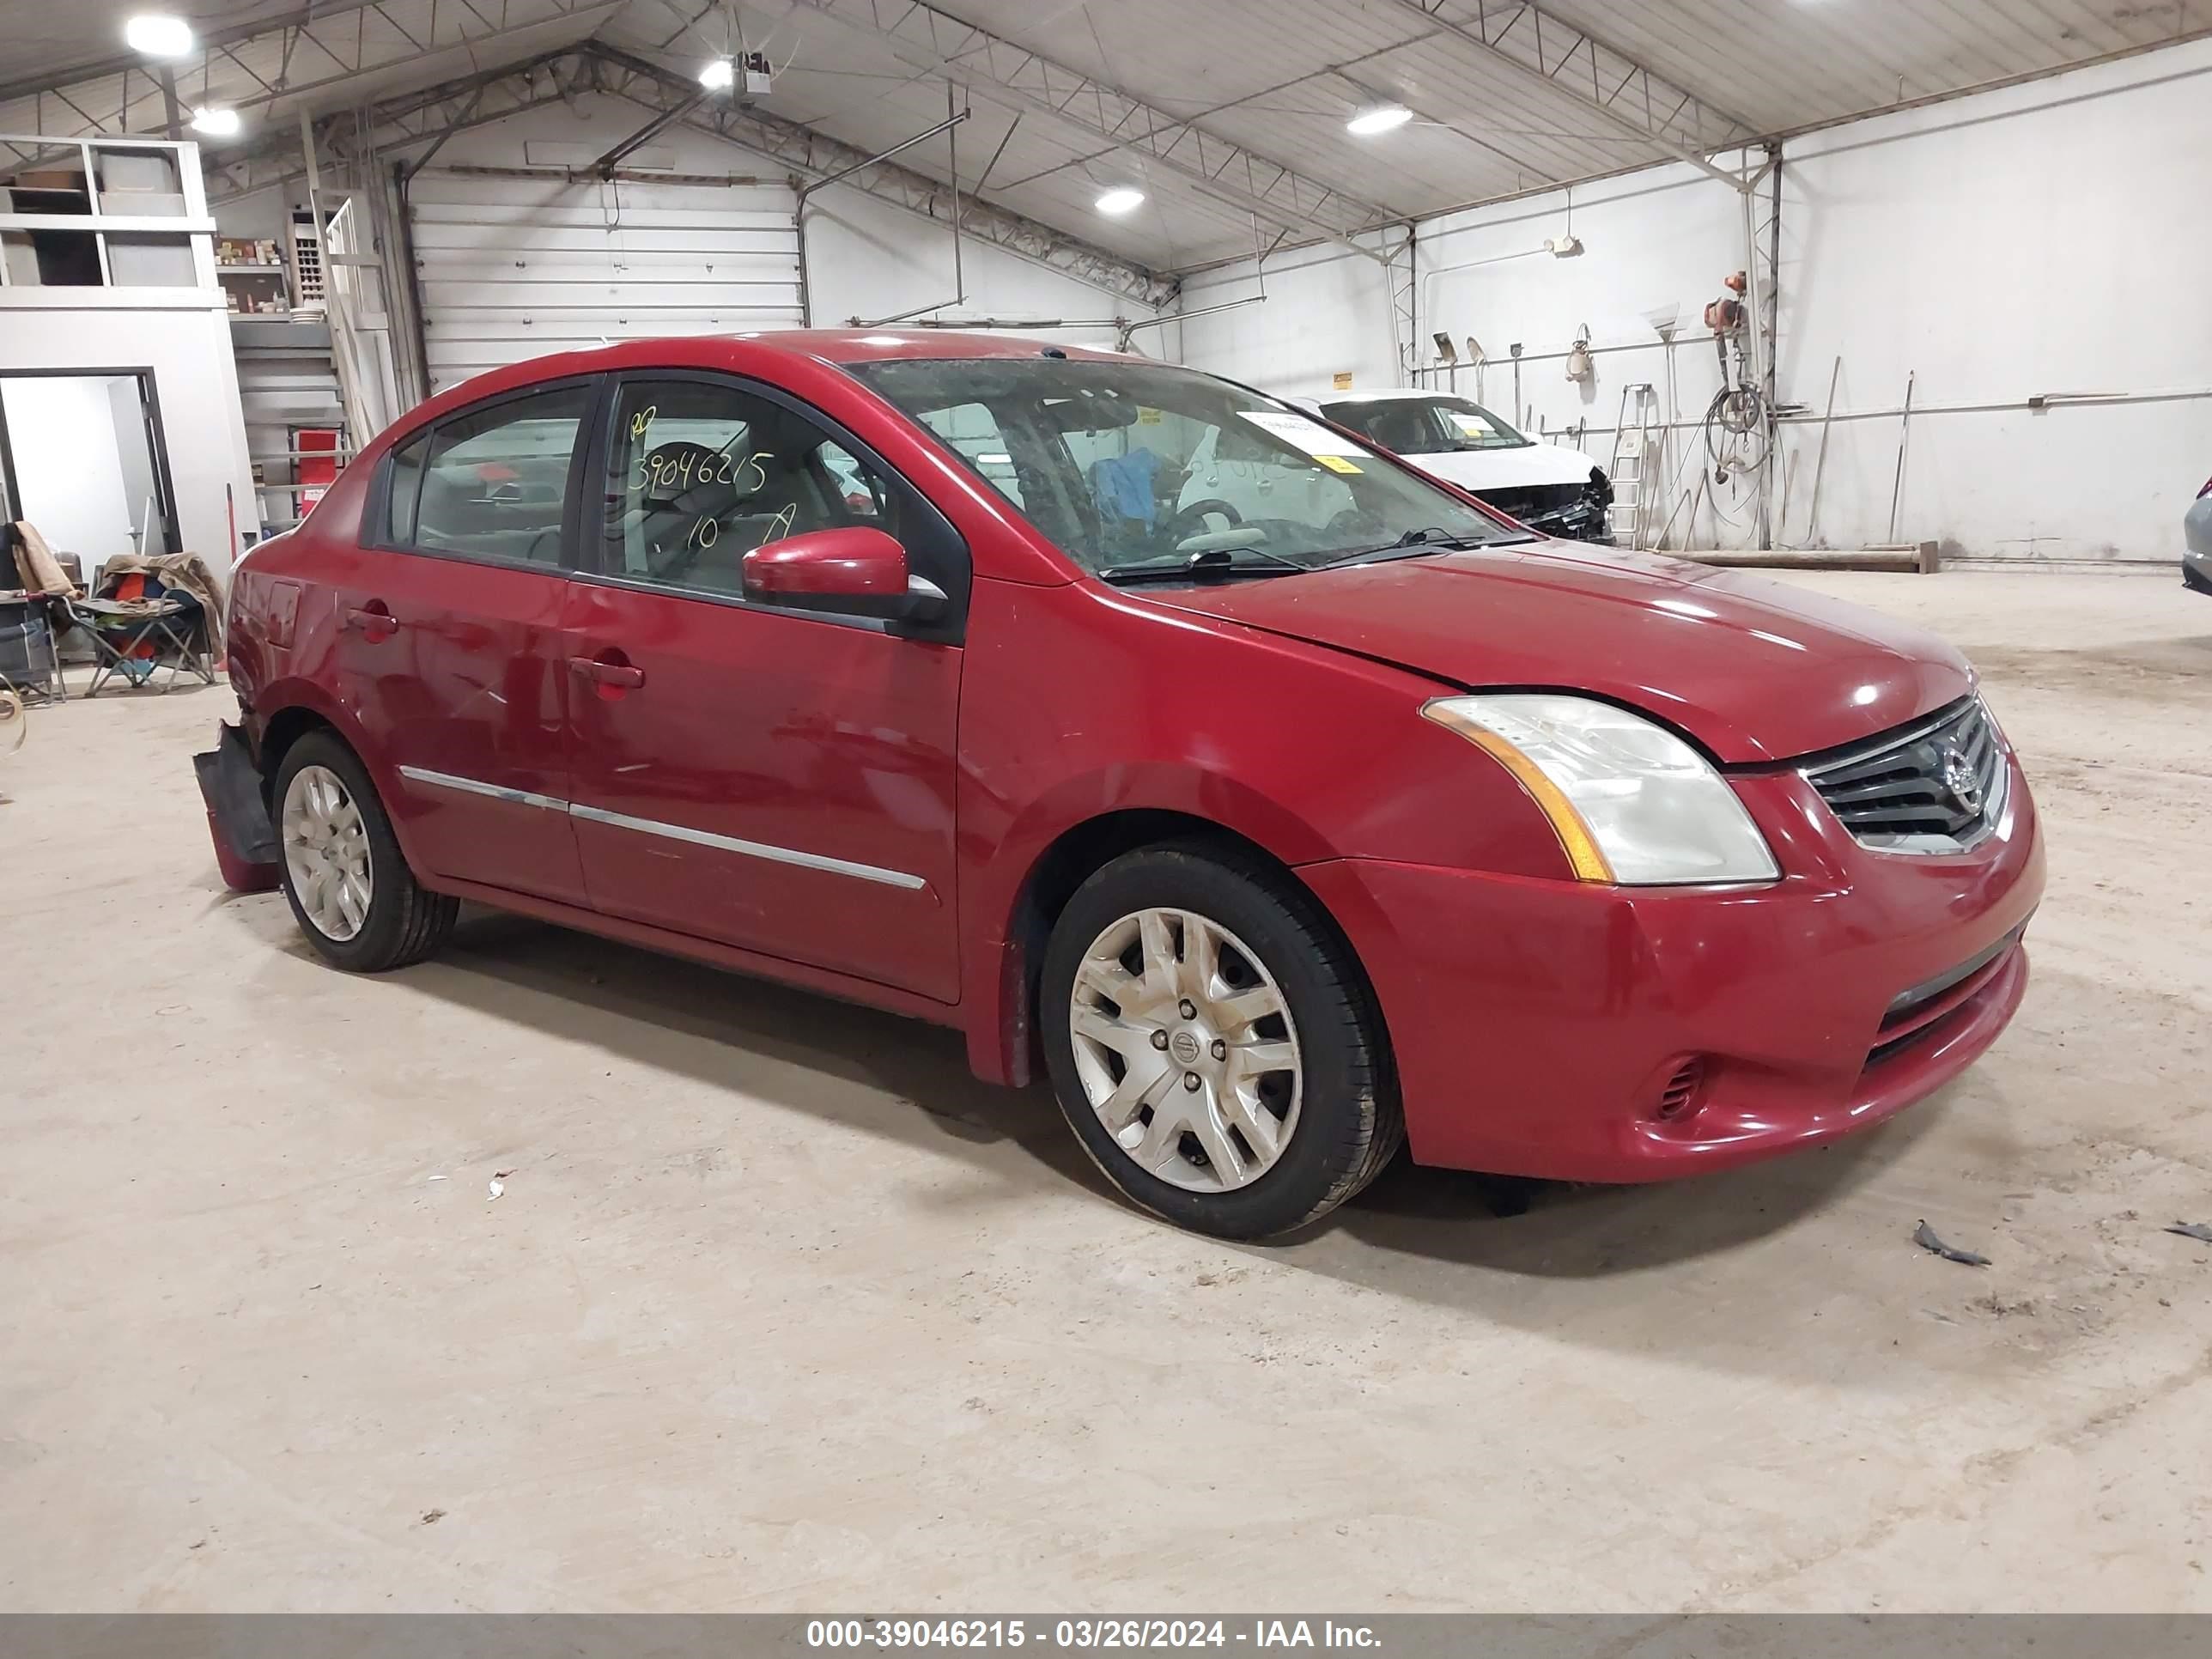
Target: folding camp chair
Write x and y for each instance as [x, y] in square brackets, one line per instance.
[140, 628]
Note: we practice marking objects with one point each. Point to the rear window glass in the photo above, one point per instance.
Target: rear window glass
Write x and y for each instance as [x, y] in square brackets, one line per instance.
[491, 483]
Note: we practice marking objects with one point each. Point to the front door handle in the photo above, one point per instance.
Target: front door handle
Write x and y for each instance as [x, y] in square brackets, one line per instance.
[373, 620]
[623, 676]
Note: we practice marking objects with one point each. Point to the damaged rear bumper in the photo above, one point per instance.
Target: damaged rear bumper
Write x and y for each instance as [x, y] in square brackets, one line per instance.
[238, 813]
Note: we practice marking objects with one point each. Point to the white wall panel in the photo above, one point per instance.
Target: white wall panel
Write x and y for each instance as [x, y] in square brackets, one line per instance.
[2038, 239]
[188, 353]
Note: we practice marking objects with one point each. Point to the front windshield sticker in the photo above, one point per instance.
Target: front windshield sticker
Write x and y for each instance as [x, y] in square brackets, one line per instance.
[1316, 440]
[1336, 463]
[1473, 425]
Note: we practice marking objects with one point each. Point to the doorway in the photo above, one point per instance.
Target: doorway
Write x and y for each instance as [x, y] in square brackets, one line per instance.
[82, 458]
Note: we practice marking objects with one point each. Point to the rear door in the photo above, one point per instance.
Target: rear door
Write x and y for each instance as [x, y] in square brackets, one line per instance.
[778, 782]
[451, 649]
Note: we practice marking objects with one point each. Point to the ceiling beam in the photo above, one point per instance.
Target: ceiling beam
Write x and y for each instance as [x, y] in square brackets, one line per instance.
[815, 154]
[1542, 47]
[300, 58]
[116, 63]
[1227, 175]
[432, 115]
[400, 124]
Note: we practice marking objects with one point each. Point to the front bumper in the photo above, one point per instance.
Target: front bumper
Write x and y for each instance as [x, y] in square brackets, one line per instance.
[2196, 555]
[1584, 518]
[1543, 1028]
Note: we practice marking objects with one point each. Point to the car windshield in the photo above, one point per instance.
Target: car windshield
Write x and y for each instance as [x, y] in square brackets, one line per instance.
[1133, 467]
[1426, 426]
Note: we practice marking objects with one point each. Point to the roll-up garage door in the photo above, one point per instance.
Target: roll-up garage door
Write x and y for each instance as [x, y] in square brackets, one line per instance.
[515, 267]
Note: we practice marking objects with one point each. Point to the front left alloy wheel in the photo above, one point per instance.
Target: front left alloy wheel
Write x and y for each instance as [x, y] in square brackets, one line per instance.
[1214, 1044]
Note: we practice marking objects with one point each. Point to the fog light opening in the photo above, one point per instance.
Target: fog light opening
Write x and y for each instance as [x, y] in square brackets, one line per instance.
[1679, 1097]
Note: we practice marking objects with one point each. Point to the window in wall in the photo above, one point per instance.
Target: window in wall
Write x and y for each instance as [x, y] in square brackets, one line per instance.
[139, 260]
[139, 182]
[70, 212]
[702, 473]
[495, 481]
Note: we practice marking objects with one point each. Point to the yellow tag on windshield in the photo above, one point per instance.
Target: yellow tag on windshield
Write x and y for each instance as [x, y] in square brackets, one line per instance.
[1336, 463]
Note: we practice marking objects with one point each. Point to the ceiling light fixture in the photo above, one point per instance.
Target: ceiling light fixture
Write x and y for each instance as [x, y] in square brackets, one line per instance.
[1382, 117]
[719, 75]
[157, 35]
[1119, 200]
[215, 122]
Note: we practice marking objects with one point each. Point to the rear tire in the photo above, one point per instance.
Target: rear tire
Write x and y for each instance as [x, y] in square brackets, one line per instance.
[344, 876]
[1214, 1044]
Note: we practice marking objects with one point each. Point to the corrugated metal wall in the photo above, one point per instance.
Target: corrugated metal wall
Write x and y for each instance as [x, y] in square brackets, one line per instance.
[513, 266]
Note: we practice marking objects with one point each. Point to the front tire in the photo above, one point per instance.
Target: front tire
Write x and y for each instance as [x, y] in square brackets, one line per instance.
[1214, 1043]
[344, 876]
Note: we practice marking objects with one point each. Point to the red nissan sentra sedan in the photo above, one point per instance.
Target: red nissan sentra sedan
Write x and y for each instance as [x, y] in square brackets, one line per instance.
[1284, 804]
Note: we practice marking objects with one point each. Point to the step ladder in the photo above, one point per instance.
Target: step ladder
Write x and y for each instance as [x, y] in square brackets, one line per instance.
[1638, 443]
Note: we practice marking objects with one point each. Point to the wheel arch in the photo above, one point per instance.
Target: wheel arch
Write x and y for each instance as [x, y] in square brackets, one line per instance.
[290, 711]
[284, 728]
[1004, 1047]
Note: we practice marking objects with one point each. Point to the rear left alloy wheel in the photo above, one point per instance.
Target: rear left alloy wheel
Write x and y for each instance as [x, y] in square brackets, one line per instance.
[1213, 1045]
[347, 880]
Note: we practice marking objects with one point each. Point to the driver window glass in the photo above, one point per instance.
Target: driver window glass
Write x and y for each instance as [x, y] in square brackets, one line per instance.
[495, 481]
[700, 473]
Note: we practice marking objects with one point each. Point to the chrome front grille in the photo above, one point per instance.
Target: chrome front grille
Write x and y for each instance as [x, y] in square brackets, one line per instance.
[1937, 786]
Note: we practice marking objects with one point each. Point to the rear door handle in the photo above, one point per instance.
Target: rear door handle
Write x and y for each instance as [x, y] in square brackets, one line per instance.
[627, 676]
[373, 619]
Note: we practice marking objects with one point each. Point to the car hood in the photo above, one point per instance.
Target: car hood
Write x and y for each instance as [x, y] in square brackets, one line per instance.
[1754, 669]
[1518, 468]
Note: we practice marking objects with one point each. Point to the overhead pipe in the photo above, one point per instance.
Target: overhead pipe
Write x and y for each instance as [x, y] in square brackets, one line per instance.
[952, 171]
[998, 322]
[1165, 318]
[605, 167]
[798, 214]
[909, 317]
[844, 174]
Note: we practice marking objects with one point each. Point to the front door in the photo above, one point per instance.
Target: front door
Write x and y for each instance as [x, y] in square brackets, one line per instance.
[780, 782]
[452, 644]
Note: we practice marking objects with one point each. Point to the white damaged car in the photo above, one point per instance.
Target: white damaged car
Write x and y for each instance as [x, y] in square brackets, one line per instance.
[1548, 487]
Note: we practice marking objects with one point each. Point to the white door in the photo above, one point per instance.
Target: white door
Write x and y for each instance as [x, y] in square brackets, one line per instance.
[516, 268]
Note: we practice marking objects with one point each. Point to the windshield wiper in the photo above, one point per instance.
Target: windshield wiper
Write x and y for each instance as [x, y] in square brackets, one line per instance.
[1208, 561]
[1410, 545]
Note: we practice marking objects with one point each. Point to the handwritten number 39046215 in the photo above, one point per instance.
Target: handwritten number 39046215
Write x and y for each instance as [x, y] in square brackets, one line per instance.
[657, 471]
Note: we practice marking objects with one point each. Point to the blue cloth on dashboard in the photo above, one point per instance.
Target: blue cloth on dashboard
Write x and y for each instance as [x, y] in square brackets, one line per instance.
[1123, 486]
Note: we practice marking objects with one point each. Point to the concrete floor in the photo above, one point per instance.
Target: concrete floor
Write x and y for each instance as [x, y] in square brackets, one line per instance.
[780, 1309]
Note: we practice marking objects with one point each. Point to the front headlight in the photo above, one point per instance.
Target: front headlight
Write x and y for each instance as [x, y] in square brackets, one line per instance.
[1631, 802]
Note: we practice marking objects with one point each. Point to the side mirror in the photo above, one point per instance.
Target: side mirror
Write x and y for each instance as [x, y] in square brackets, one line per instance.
[855, 571]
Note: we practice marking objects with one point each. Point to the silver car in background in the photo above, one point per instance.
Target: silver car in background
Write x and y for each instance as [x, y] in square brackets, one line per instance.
[2197, 549]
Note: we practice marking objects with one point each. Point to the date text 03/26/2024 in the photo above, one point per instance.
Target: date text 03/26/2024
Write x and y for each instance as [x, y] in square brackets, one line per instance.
[1087, 1633]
